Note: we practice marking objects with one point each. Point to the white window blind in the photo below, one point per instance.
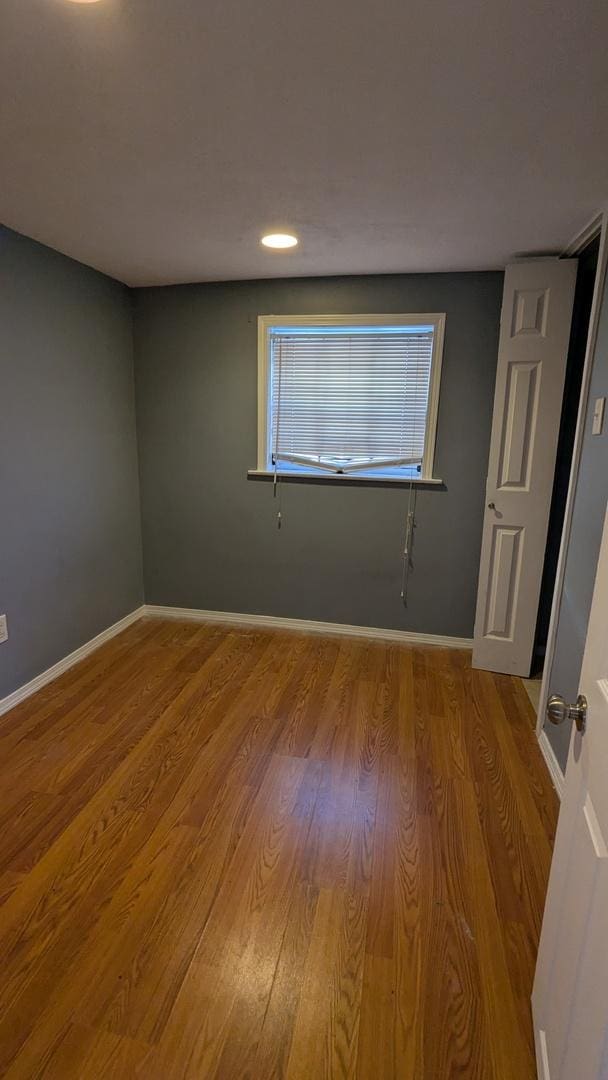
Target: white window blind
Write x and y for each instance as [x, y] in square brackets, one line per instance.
[348, 398]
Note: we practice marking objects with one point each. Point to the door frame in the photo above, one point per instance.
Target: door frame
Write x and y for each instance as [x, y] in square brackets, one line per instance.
[598, 226]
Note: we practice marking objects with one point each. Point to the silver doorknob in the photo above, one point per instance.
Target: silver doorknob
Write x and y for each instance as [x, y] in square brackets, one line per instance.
[558, 711]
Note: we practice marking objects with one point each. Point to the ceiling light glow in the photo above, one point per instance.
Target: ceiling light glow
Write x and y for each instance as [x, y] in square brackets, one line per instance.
[279, 241]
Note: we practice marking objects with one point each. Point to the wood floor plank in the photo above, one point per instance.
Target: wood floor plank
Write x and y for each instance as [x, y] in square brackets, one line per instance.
[327, 1024]
[72, 686]
[83, 1052]
[96, 848]
[274, 1043]
[522, 719]
[149, 952]
[260, 854]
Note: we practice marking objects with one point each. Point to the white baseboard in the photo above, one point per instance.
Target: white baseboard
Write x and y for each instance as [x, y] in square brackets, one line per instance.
[405, 637]
[552, 763]
[542, 1056]
[68, 661]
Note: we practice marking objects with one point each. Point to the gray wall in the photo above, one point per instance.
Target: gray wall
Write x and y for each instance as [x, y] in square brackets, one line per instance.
[210, 539]
[70, 543]
[583, 548]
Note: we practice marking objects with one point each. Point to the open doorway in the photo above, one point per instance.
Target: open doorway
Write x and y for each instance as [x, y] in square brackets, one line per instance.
[588, 260]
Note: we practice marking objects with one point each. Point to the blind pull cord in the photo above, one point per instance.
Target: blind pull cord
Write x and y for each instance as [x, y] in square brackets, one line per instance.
[410, 522]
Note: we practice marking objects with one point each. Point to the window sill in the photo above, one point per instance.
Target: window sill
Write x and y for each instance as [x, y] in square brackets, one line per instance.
[317, 477]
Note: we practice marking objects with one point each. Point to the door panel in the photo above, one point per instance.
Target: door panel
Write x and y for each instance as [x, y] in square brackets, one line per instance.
[532, 355]
[505, 565]
[530, 308]
[570, 999]
[519, 426]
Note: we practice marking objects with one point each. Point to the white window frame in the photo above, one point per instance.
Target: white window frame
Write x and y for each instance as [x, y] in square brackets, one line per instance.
[266, 323]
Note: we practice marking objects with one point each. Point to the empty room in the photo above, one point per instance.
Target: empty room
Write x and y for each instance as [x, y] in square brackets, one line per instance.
[303, 540]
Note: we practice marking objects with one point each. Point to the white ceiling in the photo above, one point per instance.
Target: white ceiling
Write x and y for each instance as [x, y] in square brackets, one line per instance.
[158, 139]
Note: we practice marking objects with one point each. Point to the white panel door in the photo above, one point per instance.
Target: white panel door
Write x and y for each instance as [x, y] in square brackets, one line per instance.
[532, 355]
[570, 999]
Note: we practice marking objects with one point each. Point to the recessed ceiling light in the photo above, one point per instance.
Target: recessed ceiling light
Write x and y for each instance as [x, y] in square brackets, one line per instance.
[279, 240]
[85, 1]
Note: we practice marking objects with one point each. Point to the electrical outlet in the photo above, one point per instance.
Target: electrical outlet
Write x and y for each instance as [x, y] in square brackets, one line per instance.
[3, 628]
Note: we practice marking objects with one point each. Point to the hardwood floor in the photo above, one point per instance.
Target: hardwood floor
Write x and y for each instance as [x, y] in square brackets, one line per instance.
[252, 854]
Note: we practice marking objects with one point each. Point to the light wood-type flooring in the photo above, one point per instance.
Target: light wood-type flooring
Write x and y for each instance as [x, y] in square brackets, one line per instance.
[254, 854]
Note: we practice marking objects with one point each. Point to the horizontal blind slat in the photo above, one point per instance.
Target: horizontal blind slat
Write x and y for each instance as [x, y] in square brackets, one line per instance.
[350, 393]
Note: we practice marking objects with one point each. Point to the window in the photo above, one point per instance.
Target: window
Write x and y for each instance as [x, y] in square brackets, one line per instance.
[349, 395]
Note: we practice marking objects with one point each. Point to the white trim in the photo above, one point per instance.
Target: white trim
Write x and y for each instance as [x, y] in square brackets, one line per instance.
[594, 318]
[542, 1055]
[68, 661]
[339, 478]
[434, 319]
[584, 237]
[405, 637]
[552, 763]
